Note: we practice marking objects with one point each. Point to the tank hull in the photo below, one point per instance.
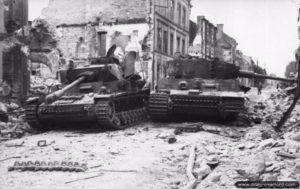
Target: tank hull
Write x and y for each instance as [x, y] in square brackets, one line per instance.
[110, 111]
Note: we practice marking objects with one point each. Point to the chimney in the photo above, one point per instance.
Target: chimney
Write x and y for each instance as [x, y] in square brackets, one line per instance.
[199, 19]
[102, 43]
[220, 27]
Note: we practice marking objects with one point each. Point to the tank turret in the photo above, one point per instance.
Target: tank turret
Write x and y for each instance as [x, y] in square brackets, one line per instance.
[200, 87]
[215, 69]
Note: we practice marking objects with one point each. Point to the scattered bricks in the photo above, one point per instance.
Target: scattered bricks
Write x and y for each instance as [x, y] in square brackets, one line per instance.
[212, 161]
[189, 128]
[215, 177]
[297, 168]
[267, 143]
[286, 155]
[292, 120]
[250, 145]
[296, 137]
[275, 167]
[210, 149]
[203, 171]
[269, 177]
[241, 146]
[257, 120]
[292, 146]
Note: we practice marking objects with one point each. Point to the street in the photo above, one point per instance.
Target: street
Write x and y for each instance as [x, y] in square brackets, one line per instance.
[143, 157]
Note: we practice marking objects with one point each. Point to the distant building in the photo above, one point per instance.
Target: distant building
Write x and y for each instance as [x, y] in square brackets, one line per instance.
[225, 46]
[203, 36]
[154, 29]
[273, 83]
[245, 63]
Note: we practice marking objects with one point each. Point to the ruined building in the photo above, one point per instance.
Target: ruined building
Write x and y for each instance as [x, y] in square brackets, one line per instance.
[209, 41]
[225, 45]
[154, 29]
[14, 76]
[203, 38]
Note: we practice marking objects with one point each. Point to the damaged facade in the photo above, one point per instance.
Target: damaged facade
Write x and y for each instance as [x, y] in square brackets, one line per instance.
[203, 40]
[155, 30]
[14, 77]
[209, 41]
[225, 45]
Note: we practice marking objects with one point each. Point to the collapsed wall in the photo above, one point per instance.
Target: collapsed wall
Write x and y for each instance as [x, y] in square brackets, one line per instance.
[80, 25]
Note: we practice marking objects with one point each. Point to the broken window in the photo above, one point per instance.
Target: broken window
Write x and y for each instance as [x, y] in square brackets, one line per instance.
[178, 44]
[159, 38]
[161, 6]
[171, 44]
[179, 13]
[184, 17]
[183, 46]
[165, 41]
[172, 4]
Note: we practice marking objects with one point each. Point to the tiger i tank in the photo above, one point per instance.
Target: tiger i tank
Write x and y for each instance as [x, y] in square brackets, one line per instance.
[200, 87]
[97, 93]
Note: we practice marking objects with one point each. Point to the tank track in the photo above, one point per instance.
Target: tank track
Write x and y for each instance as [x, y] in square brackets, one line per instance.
[50, 166]
[158, 107]
[117, 113]
[32, 117]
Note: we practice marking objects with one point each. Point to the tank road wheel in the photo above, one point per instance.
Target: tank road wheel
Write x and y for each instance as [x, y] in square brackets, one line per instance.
[158, 107]
[31, 115]
[113, 116]
[107, 117]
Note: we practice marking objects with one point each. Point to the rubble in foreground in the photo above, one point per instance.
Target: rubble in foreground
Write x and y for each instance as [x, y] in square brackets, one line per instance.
[223, 155]
[261, 154]
[12, 122]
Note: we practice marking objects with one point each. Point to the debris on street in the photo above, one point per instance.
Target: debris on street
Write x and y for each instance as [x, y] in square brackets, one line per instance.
[85, 178]
[12, 122]
[40, 86]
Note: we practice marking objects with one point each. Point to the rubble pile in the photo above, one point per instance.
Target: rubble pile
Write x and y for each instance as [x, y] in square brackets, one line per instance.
[268, 111]
[254, 157]
[259, 153]
[40, 86]
[12, 122]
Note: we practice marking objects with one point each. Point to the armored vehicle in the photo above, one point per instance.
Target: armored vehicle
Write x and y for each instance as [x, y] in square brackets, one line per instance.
[97, 93]
[200, 87]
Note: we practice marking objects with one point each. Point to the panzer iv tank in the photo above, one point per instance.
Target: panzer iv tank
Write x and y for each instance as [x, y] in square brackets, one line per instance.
[98, 93]
[202, 88]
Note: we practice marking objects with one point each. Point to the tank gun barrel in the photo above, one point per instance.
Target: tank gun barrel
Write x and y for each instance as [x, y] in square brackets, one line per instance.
[57, 94]
[249, 74]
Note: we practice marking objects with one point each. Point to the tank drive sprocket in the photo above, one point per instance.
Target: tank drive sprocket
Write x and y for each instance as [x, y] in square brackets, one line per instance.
[31, 114]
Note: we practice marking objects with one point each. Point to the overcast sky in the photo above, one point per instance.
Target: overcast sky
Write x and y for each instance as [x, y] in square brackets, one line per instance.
[265, 29]
[35, 8]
